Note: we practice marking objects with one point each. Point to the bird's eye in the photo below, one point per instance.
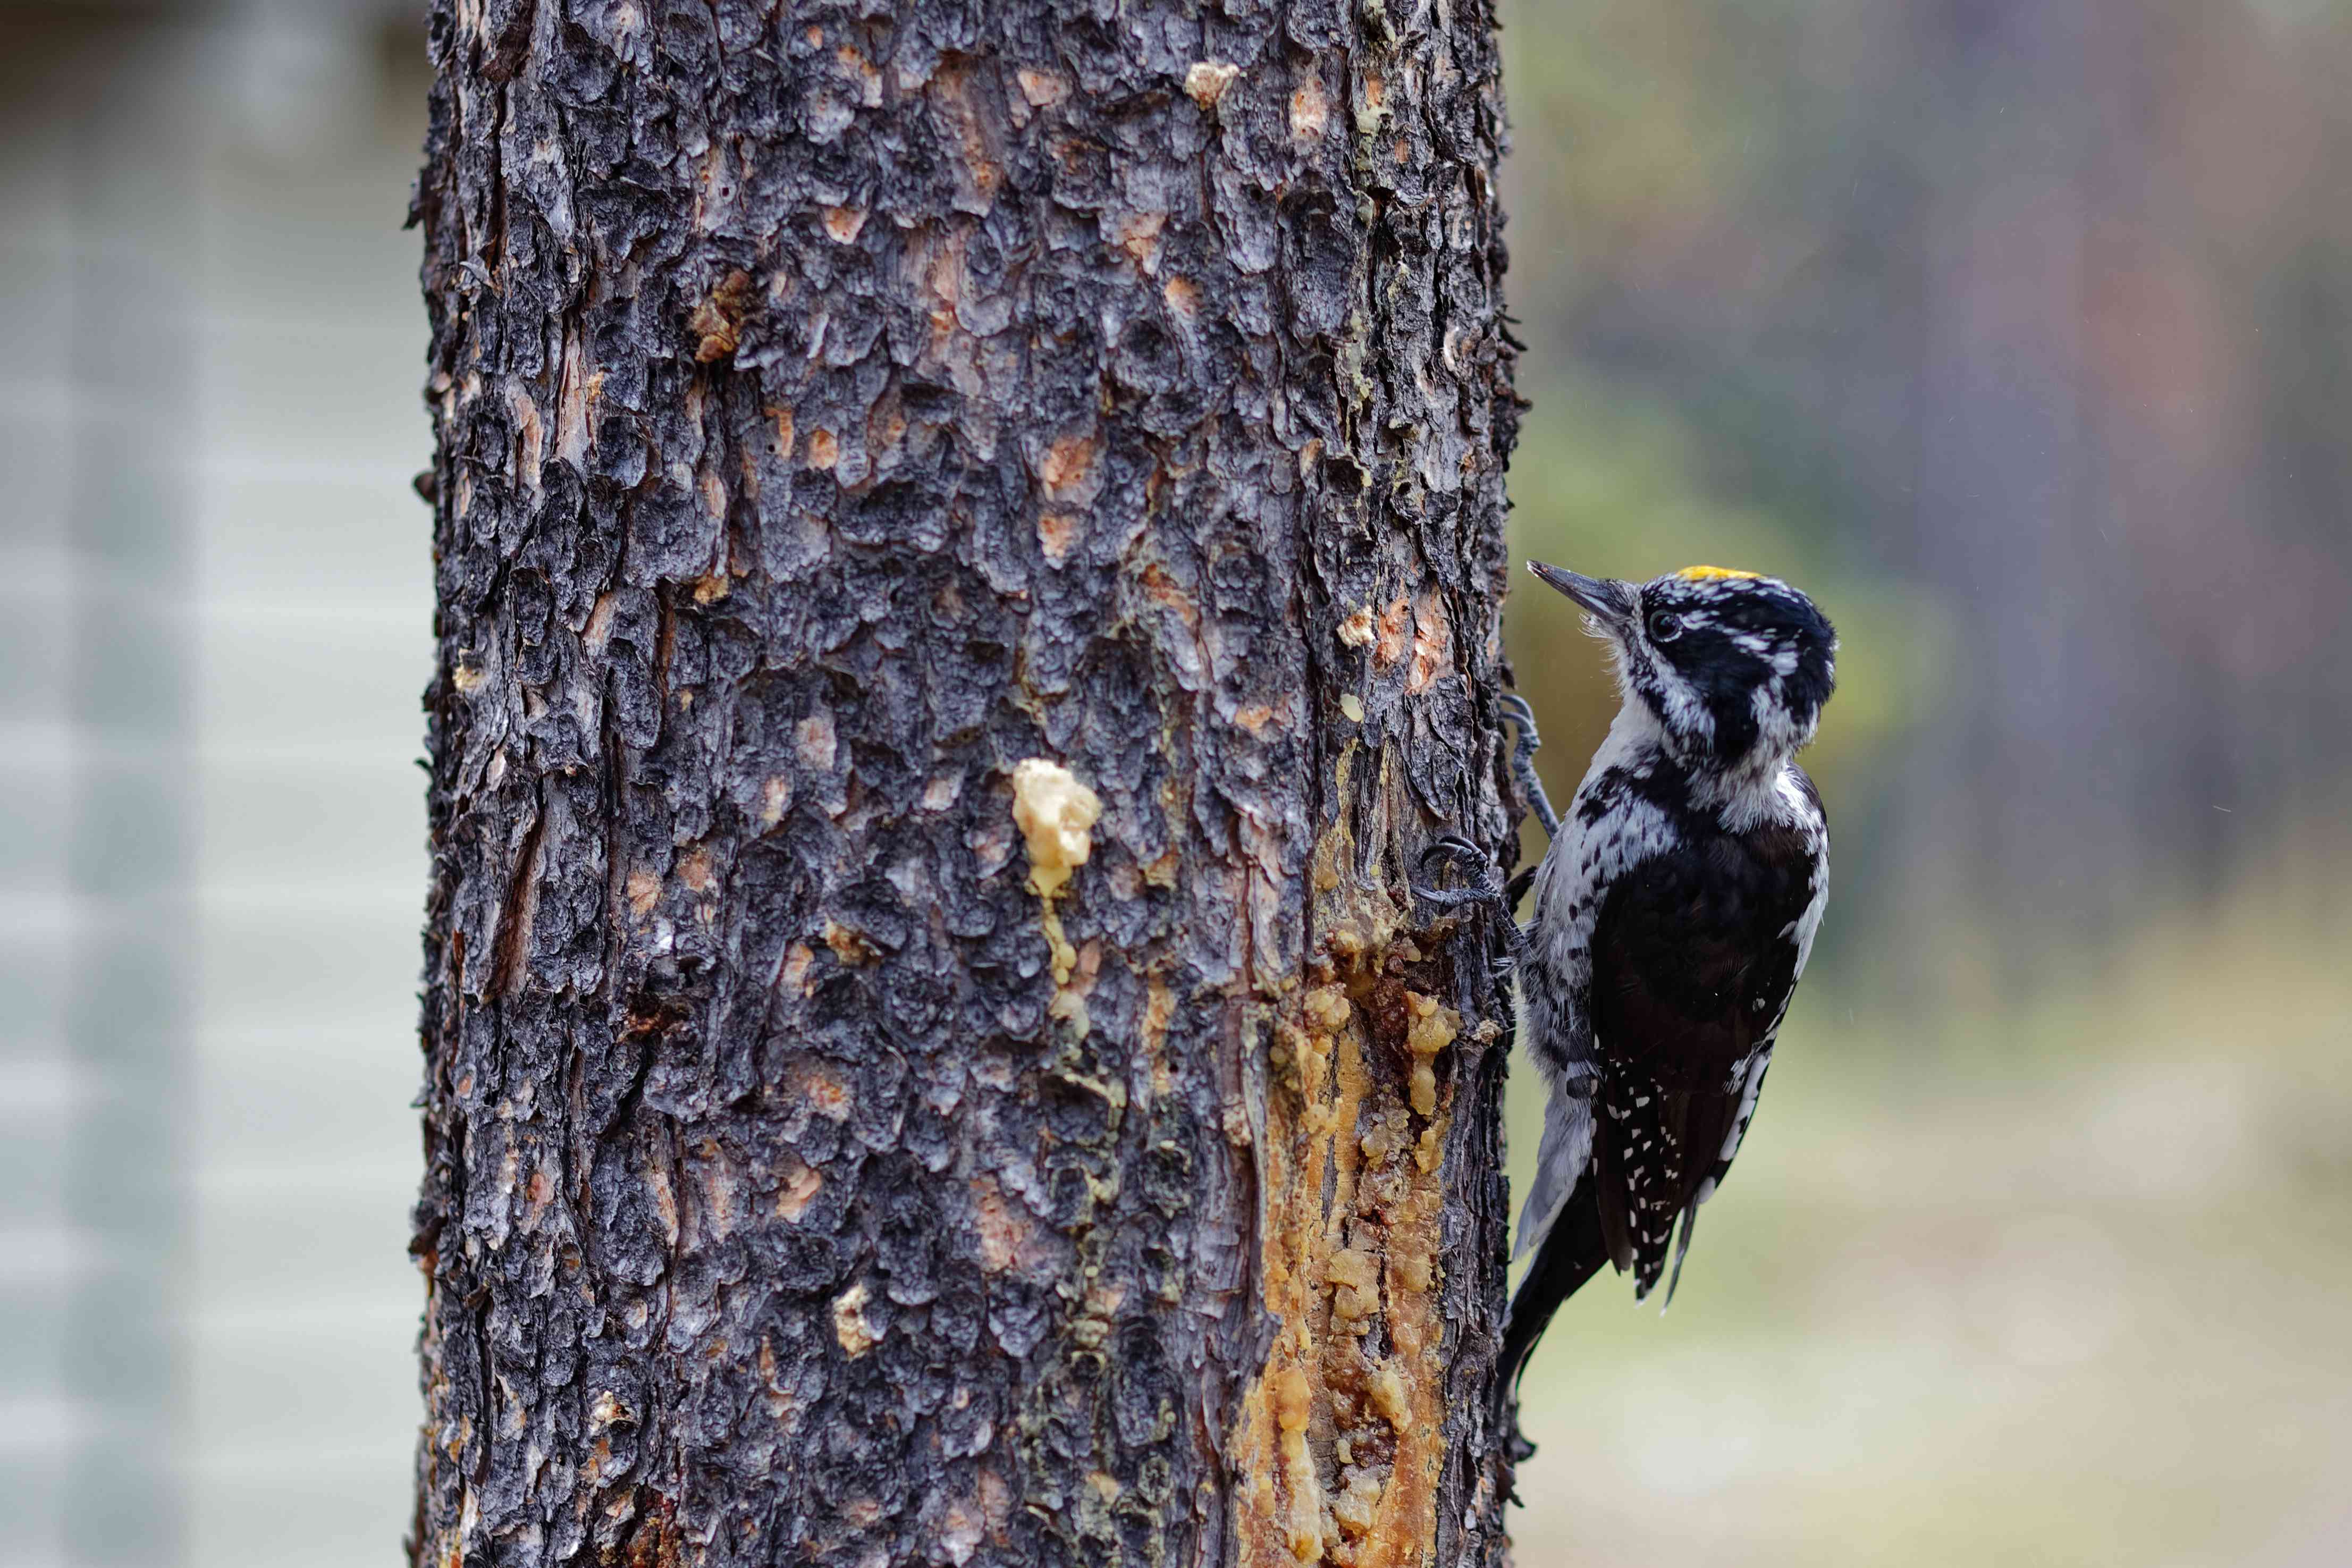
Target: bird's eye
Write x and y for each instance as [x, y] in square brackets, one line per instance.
[1665, 625]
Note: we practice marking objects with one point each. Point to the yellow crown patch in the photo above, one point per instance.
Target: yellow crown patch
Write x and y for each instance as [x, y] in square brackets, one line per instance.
[1705, 573]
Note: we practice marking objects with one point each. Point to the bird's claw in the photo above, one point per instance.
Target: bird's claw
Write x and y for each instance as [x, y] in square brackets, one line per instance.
[1524, 743]
[1486, 888]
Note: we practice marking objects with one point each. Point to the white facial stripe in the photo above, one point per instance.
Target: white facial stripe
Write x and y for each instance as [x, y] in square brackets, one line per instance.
[1642, 680]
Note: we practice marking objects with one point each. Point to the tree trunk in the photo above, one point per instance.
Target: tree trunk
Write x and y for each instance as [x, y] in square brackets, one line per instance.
[968, 543]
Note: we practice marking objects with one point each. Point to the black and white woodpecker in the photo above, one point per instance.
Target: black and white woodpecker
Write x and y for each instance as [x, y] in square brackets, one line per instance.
[1674, 912]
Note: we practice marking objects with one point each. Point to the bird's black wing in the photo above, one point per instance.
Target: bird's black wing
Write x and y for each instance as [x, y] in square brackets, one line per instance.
[1693, 958]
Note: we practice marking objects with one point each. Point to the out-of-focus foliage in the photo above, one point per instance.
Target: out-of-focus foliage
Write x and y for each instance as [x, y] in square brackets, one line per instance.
[2020, 332]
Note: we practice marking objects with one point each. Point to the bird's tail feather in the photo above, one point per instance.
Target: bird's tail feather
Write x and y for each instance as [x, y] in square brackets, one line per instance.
[1682, 1250]
[1571, 1252]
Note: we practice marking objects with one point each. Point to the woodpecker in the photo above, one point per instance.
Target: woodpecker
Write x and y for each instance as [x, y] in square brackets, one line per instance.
[1674, 912]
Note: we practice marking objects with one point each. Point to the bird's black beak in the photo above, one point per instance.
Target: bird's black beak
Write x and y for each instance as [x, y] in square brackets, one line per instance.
[1606, 599]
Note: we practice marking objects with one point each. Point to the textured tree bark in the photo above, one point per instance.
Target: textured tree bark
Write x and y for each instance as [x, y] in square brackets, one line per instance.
[969, 543]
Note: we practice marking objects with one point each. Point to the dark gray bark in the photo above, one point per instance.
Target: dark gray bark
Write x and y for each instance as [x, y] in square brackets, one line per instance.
[840, 1148]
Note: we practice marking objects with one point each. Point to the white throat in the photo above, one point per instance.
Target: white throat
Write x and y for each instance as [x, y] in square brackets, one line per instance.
[1753, 790]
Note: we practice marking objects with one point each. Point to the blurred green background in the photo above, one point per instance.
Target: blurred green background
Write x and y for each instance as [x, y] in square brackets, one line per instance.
[2015, 330]
[2018, 334]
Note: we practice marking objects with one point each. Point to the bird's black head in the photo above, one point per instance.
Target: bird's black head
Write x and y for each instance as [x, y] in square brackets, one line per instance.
[1734, 666]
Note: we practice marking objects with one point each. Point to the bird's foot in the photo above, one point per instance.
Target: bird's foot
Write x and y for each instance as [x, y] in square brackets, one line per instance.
[1485, 886]
[1525, 741]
